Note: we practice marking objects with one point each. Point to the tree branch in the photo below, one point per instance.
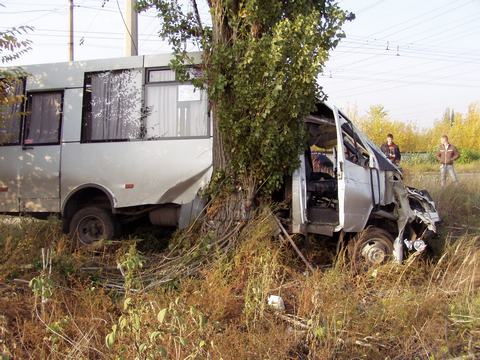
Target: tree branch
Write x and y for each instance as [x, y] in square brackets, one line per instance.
[197, 14]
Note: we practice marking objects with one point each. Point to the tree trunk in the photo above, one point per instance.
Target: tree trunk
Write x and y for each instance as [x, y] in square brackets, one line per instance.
[230, 207]
[220, 157]
[221, 35]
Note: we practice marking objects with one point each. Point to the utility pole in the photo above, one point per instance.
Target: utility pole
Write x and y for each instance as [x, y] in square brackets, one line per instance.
[70, 41]
[131, 28]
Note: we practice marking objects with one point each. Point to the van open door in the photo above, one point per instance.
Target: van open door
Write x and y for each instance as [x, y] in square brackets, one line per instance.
[355, 201]
[314, 184]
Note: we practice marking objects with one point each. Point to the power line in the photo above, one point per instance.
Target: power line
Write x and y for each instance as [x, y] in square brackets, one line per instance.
[430, 19]
[28, 11]
[408, 82]
[360, 39]
[373, 80]
[422, 15]
[109, 10]
[422, 73]
[368, 7]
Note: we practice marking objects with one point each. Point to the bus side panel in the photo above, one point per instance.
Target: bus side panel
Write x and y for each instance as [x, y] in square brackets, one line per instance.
[139, 172]
[10, 159]
[39, 181]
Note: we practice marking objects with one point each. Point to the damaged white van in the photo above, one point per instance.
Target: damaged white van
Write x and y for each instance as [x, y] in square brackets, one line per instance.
[345, 186]
[105, 142]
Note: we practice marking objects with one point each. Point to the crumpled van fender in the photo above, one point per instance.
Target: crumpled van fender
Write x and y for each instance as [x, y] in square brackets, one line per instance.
[412, 205]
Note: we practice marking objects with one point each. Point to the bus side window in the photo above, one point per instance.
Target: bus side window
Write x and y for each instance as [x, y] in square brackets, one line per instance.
[44, 116]
[112, 102]
[12, 91]
[174, 109]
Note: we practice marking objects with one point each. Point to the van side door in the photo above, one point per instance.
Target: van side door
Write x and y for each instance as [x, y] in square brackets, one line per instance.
[354, 178]
[11, 110]
[40, 166]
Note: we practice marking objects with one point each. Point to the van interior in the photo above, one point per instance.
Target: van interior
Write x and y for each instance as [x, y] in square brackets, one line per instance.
[321, 168]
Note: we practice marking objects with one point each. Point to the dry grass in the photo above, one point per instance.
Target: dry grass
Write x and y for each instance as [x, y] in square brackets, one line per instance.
[424, 308]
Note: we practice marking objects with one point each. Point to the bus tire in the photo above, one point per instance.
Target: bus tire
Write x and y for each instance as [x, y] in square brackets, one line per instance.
[91, 224]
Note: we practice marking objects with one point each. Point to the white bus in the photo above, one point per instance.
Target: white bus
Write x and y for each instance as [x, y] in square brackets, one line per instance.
[103, 142]
[104, 139]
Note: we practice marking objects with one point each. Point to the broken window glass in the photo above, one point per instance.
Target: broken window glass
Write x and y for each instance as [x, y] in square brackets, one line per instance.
[355, 151]
[112, 106]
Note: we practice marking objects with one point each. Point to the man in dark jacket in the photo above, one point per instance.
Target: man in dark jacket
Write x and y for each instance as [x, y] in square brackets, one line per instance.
[446, 155]
[391, 150]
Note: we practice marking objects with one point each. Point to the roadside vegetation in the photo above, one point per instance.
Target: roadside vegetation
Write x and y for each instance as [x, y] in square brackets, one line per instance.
[422, 167]
[204, 293]
[463, 131]
[57, 302]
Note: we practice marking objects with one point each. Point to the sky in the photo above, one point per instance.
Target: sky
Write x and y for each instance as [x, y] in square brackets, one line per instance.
[416, 58]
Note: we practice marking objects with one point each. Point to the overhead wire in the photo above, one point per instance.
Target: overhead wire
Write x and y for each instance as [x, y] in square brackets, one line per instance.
[126, 28]
[369, 7]
[427, 14]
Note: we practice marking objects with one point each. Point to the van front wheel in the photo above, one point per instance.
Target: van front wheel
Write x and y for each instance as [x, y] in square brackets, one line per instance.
[371, 247]
[91, 224]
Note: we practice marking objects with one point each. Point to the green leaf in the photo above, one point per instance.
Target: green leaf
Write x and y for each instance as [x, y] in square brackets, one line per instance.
[202, 320]
[126, 303]
[161, 315]
[319, 332]
[154, 335]
[163, 353]
[109, 340]
[183, 341]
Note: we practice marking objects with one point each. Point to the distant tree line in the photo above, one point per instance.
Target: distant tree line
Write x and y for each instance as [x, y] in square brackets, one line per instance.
[463, 130]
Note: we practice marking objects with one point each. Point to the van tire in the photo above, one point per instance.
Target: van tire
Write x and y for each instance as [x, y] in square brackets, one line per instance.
[370, 247]
[91, 224]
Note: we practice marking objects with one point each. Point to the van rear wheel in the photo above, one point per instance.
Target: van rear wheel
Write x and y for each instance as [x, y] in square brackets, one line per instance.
[91, 224]
[370, 247]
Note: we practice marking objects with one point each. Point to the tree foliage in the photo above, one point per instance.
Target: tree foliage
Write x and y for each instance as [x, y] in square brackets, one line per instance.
[260, 64]
[12, 46]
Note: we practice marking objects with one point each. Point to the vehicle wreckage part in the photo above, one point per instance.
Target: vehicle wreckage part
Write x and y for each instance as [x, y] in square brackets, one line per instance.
[417, 245]
[276, 302]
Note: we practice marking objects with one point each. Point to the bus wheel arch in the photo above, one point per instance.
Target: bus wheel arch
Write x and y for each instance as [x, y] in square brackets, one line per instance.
[99, 205]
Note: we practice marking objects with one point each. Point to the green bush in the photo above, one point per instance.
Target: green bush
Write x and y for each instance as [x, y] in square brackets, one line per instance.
[468, 155]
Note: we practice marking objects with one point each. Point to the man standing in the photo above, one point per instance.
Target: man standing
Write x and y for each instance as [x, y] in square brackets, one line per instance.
[446, 155]
[391, 150]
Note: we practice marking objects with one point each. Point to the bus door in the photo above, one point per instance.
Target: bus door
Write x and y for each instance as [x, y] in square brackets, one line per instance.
[40, 165]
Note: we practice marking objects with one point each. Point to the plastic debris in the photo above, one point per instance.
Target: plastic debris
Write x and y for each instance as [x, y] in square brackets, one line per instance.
[276, 302]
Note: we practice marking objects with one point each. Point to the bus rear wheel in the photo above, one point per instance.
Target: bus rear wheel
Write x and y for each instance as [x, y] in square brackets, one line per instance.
[91, 224]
